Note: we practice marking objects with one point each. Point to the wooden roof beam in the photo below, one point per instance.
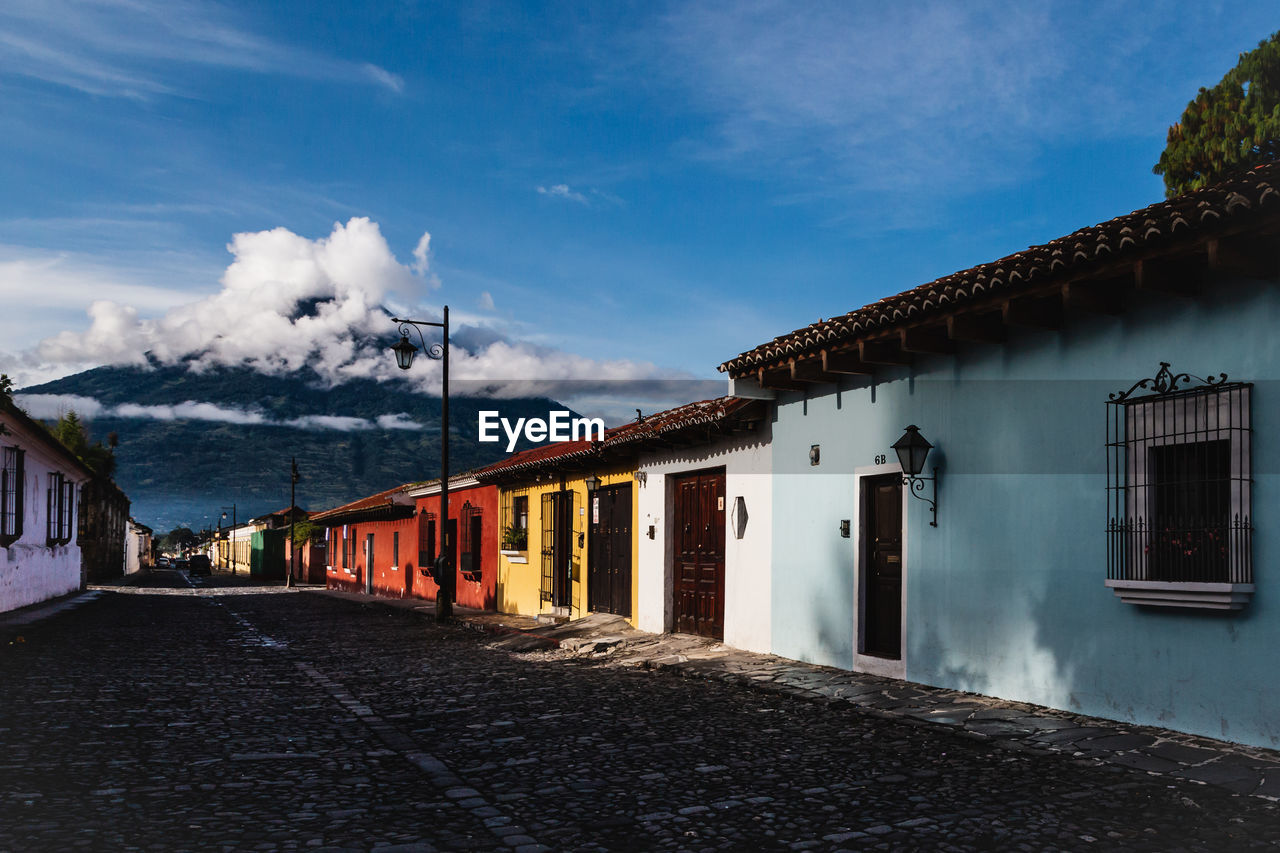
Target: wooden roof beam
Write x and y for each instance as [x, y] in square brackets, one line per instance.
[985, 328]
[845, 363]
[1248, 258]
[811, 371]
[882, 352]
[1179, 276]
[779, 377]
[1096, 297]
[1037, 312]
[933, 340]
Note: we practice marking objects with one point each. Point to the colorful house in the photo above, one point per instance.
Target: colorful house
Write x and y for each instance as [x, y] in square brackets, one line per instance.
[568, 516]
[372, 544]
[471, 536]
[1092, 526]
[704, 520]
[40, 485]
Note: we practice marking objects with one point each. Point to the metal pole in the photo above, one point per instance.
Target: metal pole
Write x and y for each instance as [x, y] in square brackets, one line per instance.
[444, 597]
[293, 485]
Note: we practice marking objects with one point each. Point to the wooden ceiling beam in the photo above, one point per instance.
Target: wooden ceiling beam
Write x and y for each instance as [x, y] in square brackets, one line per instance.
[845, 363]
[882, 352]
[1037, 312]
[987, 328]
[927, 340]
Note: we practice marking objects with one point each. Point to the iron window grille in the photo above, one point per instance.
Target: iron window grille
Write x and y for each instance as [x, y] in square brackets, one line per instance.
[1179, 486]
[56, 511]
[514, 513]
[471, 539]
[68, 511]
[343, 543]
[395, 549]
[426, 540]
[11, 480]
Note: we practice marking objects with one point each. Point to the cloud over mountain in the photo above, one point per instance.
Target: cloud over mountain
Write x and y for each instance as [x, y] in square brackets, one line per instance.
[288, 302]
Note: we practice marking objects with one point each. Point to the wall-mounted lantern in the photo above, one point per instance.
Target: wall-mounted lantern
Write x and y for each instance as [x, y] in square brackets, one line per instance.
[815, 454]
[593, 483]
[738, 517]
[912, 450]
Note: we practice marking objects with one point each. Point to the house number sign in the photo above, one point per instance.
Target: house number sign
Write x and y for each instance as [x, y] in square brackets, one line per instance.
[880, 459]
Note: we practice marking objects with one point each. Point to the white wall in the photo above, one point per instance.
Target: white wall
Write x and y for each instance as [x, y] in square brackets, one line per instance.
[747, 461]
[31, 571]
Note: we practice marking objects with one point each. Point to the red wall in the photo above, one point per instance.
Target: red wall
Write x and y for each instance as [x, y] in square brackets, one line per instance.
[480, 594]
[406, 581]
[388, 581]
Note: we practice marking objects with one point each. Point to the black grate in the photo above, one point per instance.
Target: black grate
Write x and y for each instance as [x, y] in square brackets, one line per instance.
[1179, 487]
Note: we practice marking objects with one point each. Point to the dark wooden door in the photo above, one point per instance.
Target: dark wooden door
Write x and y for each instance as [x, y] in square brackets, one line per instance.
[609, 550]
[882, 566]
[699, 571]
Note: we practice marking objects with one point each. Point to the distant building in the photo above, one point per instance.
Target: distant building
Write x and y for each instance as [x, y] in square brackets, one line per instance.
[137, 547]
[104, 518]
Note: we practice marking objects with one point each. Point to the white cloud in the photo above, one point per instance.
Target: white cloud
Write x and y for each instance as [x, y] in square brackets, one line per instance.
[288, 302]
[400, 420]
[563, 191]
[486, 301]
[121, 48]
[335, 422]
[51, 406]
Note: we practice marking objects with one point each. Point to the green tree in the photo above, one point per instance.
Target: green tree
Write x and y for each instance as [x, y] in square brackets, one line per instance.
[179, 539]
[73, 434]
[1229, 128]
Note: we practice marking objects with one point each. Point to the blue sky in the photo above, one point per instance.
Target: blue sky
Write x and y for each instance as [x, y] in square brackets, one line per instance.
[623, 190]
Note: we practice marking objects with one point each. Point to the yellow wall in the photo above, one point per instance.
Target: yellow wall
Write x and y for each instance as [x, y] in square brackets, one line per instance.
[520, 584]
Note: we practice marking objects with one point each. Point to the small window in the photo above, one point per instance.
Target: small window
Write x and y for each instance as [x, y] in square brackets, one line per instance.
[343, 542]
[1179, 528]
[11, 480]
[426, 539]
[515, 521]
[57, 510]
[395, 549]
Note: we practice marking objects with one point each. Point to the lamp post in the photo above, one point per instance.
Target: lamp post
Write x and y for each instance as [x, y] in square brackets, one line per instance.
[405, 351]
[227, 559]
[294, 477]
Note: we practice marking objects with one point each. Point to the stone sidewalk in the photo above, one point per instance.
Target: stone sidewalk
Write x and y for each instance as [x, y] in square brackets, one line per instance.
[1020, 726]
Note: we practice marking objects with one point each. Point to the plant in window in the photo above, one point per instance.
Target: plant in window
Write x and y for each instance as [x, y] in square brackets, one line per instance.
[515, 538]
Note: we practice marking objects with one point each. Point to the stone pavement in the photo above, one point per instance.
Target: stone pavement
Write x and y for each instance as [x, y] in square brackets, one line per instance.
[228, 716]
[611, 641]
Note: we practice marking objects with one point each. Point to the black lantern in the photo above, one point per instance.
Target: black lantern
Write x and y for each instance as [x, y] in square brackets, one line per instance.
[593, 483]
[405, 351]
[912, 450]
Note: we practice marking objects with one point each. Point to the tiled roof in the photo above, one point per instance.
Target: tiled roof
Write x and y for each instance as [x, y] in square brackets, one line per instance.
[628, 438]
[383, 503]
[1234, 203]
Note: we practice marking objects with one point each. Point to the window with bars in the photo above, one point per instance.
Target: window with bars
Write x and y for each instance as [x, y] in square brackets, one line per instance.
[426, 540]
[1179, 486]
[395, 549]
[59, 507]
[345, 554]
[11, 494]
[514, 518]
[471, 541]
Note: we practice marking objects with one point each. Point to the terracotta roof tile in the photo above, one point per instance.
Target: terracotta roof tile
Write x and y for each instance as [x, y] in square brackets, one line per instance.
[1195, 214]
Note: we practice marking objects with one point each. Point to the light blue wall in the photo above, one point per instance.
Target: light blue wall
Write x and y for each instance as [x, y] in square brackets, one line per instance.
[1006, 595]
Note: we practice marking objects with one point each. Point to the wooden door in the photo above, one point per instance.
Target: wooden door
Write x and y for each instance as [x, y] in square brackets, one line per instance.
[698, 587]
[882, 566]
[609, 550]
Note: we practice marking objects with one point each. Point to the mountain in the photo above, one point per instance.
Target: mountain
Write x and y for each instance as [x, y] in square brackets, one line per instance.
[183, 464]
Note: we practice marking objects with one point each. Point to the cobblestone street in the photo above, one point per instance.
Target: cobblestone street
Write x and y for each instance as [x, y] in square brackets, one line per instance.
[244, 718]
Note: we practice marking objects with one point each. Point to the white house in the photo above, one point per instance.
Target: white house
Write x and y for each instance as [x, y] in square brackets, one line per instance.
[40, 484]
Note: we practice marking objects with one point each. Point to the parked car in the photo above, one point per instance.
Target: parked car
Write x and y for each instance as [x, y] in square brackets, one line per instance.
[181, 564]
[162, 562]
[198, 565]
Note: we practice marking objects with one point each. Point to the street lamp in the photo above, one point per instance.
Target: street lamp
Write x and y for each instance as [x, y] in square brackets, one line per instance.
[912, 450]
[405, 351]
[227, 560]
